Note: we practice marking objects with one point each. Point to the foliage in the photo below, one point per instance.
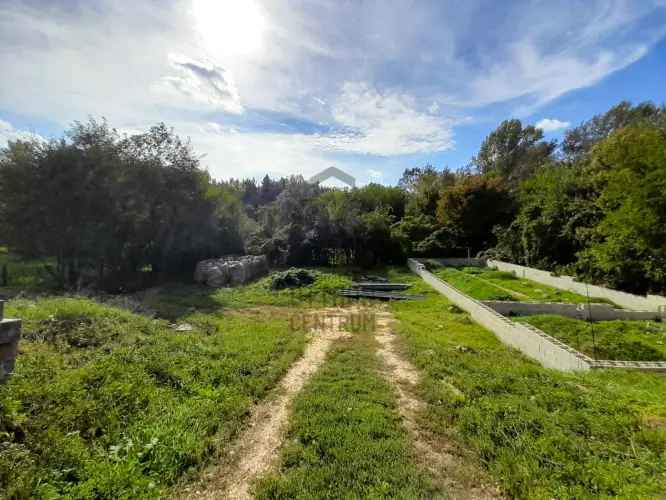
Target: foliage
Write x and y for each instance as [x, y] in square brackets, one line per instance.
[292, 278]
[579, 141]
[513, 152]
[540, 433]
[472, 208]
[628, 247]
[115, 204]
[556, 206]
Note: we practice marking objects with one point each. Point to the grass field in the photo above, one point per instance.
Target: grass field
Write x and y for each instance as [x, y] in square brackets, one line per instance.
[346, 439]
[105, 403]
[540, 433]
[488, 284]
[618, 340]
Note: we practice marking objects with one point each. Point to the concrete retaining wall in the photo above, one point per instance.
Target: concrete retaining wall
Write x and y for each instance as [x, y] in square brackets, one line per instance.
[460, 262]
[10, 332]
[654, 303]
[592, 312]
[531, 341]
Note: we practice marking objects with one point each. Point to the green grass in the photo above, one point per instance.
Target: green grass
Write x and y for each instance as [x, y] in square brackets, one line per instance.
[174, 301]
[25, 273]
[488, 284]
[346, 439]
[618, 340]
[540, 433]
[104, 403]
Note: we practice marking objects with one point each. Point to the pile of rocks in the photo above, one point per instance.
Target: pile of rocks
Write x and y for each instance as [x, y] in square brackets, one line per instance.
[230, 271]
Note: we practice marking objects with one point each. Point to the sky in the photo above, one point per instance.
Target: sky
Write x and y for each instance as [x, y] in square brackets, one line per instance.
[292, 87]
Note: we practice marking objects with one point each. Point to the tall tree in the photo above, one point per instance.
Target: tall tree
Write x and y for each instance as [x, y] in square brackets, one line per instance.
[513, 152]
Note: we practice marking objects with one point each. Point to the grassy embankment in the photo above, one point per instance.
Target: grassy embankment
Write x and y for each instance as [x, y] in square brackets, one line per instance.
[540, 433]
[620, 340]
[107, 403]
[345, 438]
[488, 284]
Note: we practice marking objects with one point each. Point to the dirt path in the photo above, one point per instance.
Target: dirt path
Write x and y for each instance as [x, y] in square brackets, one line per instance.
[256, 450]
[444, 460]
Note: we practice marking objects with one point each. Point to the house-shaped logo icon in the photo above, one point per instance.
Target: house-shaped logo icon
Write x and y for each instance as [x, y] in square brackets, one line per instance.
[336, 173]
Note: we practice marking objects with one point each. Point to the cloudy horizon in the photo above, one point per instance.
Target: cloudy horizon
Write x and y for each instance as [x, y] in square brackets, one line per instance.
[291, 88]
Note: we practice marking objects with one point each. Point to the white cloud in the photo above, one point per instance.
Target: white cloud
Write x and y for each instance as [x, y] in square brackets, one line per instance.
[552, 124]
[201, 83]
[415, 62]
[9, 133]
[385, 124]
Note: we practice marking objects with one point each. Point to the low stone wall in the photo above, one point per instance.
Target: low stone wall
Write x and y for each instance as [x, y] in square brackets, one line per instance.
[591, 312]
[654, 303]
[531, 341]
[10, 333]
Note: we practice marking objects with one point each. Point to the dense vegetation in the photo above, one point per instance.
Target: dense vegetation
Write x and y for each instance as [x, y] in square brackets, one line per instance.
[541, 433]
[106, 206]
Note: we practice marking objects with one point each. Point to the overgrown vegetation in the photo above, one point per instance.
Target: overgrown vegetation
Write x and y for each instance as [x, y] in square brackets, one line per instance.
[592, 206]
[292, 278]
[619, 340]
[541, 433]
[346, 439]
[105, 403]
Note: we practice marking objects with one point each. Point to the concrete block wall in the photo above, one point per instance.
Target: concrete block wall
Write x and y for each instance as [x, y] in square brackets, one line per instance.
[654, 303]
[592, 312]
[534, 343]
[10, 332]
[460, 262]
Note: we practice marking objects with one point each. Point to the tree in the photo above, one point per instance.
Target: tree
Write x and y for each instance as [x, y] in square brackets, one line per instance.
[472, 208]
[579, 141]
[628, 249]
[513, 152]
[423, 186]
[556, 209]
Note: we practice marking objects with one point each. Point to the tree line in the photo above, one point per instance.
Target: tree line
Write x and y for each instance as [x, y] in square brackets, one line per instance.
[109, 205]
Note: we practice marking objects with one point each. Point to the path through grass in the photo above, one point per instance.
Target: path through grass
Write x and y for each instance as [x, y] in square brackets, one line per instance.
[346, 439]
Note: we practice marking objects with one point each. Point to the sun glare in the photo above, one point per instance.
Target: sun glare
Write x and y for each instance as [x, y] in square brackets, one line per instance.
[230, 27]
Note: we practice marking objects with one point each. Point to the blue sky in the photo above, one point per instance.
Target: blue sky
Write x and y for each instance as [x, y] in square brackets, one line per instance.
[370, 86]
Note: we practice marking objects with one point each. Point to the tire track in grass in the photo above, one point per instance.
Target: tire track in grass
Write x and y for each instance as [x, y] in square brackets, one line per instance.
[443, 460]
[255, 451]
[345, 438]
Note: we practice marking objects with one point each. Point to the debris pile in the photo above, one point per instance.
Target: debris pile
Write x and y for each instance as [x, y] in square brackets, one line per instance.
[230, 271]
[292, 278]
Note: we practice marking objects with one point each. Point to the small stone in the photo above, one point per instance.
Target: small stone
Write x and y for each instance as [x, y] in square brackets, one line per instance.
[184, 327]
